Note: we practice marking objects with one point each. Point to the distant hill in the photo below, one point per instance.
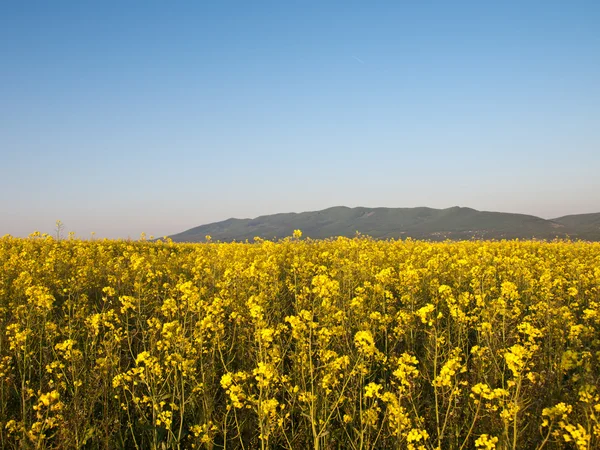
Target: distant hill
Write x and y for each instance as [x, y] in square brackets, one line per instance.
[418, 223]
[587, 225]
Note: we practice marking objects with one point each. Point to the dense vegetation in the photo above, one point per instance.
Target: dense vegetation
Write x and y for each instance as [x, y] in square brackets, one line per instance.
[347, 343]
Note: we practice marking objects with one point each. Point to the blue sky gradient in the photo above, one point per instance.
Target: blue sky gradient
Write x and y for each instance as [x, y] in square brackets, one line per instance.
[123, 117]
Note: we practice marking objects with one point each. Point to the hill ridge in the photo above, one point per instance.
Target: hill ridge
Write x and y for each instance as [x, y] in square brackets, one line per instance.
[422, 222]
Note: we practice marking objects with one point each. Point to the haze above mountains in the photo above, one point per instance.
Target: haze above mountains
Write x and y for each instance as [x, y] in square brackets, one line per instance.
[454, 223]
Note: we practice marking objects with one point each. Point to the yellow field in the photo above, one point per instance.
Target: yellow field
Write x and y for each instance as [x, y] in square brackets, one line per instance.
[348, 343]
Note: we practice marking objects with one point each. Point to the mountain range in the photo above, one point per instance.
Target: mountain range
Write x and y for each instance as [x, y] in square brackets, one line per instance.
[454, 223]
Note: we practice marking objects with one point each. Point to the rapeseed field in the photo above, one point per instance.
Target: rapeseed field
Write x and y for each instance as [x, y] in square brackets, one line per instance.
[297, 344]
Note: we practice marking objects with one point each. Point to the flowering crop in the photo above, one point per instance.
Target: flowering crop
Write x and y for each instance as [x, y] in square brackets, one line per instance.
[342, 343]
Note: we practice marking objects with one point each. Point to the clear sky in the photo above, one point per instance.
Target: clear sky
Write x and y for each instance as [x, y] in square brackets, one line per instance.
[157, 116]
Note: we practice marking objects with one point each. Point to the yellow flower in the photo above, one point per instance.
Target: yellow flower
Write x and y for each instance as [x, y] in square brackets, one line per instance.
[372, 390]
[364, 342]
[486, 442]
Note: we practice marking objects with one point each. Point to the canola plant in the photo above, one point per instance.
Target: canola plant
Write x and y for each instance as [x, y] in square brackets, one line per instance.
[298, 344]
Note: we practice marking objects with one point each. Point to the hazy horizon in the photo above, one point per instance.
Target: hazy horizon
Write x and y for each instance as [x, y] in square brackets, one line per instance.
[65, 228]
[153, 117]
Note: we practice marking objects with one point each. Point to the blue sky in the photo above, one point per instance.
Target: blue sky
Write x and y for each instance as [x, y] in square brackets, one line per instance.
[123, 117]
